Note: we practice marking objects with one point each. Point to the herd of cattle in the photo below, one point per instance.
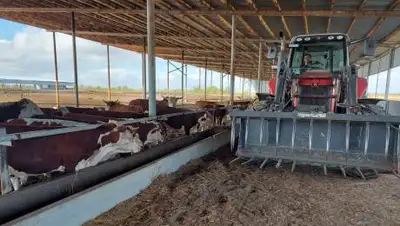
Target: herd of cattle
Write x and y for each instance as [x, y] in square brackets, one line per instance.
[114, 136]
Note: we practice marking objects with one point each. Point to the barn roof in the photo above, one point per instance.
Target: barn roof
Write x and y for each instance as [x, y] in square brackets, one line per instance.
[201, 28]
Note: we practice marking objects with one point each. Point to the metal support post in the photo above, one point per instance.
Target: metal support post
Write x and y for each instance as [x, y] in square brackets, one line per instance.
[259, 67]
[211, 82]
[108, 73]
[199, 78]
[388, 77]
[205, 82]
[56, 70]
[151, 66]
[222, 86]
[377, 78]
[168, 90]
[243, 86]
[144, 85]
[232, 73]
[182, 78]
[75, 59]
[186, 76]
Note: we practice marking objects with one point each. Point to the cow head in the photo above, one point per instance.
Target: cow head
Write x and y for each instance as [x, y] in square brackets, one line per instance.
[28, 109]
[172, 101]
[155, 136]
[205, 122]
[111, 103]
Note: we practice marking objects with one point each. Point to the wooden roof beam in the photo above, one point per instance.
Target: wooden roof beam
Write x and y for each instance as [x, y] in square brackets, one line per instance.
[328, 27]
[392, 6]
[218, 12]
[172, 37]
[303, 5]
[279, 10]
[359, 8]
[262, 21]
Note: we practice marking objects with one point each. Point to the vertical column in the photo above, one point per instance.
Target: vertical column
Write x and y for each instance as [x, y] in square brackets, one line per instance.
[211, 82]
[56, 70]
[259, 67]
[232, 72]
[243, 86]
[221, 86]
[186, 89]
[75, 59]
[199, 78]
[144, 86]
[388, 76]
[168, 90]
[205, 82]
[151, 66]
[377, 78]
[183, 78]
[108, 73]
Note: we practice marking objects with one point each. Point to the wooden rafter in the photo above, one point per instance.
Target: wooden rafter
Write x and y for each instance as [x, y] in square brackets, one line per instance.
[218, 12]
[303, 5]
[241, 19]
[382, 19]
[359, 8]
[332, 4]
[262, 21]
[278, 8]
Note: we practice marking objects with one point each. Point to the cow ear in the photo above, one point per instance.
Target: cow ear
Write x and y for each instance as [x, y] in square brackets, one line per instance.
[132, 129]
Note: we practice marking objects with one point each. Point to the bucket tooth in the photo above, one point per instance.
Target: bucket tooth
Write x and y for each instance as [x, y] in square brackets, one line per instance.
[235, 160]
[263, 163]
[293, 165]
[360, 172]
[248, 161]
[343, 171]
[278, 164]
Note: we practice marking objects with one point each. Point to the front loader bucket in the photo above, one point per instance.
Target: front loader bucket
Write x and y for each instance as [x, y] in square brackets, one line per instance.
[330, 139]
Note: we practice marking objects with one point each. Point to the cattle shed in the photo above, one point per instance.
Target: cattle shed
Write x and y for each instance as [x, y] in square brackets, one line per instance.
[231, 37]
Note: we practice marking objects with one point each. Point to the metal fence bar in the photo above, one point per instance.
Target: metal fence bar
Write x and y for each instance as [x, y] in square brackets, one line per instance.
[367, 128]
[387, 139]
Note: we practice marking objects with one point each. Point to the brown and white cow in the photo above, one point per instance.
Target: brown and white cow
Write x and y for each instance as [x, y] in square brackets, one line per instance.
[77, 150]
[23, 108]
[143, 104]
[118, 107]
[172, 101]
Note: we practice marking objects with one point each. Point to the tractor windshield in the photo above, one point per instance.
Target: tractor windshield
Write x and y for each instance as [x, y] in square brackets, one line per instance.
[327, 55]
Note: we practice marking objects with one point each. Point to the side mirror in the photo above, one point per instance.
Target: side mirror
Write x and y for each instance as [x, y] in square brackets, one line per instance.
[272, 52]
[369, 47]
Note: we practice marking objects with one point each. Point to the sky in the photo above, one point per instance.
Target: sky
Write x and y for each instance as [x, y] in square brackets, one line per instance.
[27, 53]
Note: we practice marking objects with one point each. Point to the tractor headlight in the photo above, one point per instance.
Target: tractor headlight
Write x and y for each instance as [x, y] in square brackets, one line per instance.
[330, 37]
[307, 39]
[340, 37]
[299, 39]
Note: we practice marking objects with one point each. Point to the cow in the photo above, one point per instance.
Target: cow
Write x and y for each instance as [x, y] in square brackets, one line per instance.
[117, 107]
[78, 150]
[172, 101]
[191, 122]
[201, 104]
[143, 104]
[23, 108]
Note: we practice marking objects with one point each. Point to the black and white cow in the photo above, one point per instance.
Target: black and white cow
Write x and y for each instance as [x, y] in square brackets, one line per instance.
[23, 108]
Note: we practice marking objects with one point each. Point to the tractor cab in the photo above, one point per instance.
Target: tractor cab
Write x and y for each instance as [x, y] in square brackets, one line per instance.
[316, 63]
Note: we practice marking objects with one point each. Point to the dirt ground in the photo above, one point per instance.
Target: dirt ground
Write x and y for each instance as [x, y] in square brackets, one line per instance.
[211, 192]
[89, 98]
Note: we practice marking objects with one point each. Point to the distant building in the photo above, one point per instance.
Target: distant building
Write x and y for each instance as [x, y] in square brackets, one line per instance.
[37, 84]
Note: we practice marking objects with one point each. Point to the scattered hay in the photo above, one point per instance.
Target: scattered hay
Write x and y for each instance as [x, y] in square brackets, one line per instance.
[212, 193]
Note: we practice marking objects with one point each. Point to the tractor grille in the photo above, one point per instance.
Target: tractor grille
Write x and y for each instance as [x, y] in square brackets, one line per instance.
[311, 95]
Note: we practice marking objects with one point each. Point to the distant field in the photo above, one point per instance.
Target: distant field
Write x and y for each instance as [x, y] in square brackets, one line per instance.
[91, 98]
[382, 96]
